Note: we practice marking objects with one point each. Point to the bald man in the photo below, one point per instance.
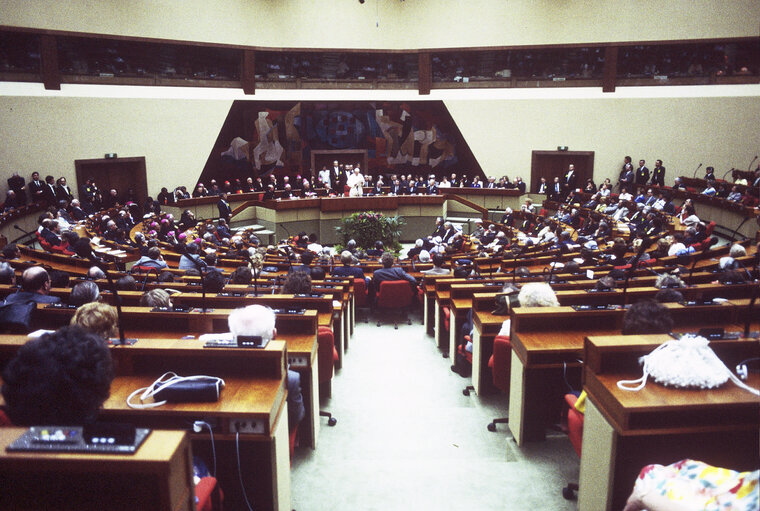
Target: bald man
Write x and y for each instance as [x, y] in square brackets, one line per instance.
[35, 286]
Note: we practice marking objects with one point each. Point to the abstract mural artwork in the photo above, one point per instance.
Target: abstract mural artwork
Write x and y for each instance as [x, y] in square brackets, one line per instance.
[264, 137]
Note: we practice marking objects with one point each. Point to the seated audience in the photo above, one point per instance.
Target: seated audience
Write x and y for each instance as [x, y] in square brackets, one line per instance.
[155, 298]
[388, 272]
[35, 286]
[297, 282]
[126, 283]
[258, 320]
[152, 259]
[186, 260]
[537, 294]
[98, 318]
[61, 378]
[437, 268]
[7, 274]
[241, 276]
[647, 317]
[84, 292]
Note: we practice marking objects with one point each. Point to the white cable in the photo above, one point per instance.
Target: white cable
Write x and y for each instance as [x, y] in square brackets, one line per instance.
[688, 362]
[199, 425]
[240, 470]
[160, 384]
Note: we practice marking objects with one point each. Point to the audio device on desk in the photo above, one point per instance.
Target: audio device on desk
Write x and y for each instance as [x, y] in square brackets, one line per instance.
[100, 438]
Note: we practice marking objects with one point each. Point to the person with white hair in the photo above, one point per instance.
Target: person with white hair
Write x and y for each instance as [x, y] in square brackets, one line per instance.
[479, 230]
[416, 249]
[424, 256]
[449, 231]
[537, 294]
[437, 268]
[355, 181]
[259, 320]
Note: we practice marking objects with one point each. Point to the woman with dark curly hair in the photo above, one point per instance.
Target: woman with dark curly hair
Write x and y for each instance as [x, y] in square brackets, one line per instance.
[61, 378]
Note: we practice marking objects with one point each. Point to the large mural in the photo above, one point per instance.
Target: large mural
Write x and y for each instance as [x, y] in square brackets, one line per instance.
[259, 138]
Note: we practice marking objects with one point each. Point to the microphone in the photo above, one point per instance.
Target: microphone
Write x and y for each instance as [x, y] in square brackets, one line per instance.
[733, 234]
[723, 177]
[645, 244]
[697, 257]
[749, 167]
[749, 313]
[286, 229]
[147, 274]
[112, 286]
[26, 233]
[247, 256]
[200, 268]
[695, 170]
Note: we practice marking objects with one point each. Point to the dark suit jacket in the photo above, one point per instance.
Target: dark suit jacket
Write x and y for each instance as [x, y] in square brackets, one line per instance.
[384, 274]
[570, 180]
[348, 271]
[224, 209]
[62, 193]
[26, 296]
[35, 189]
[48, 193]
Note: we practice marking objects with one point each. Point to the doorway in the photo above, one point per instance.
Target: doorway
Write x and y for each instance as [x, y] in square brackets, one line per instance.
[122, 174]
[550, 164]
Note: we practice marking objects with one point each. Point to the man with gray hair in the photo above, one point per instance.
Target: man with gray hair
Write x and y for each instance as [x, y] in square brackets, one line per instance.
[346, 270]
[7, 275]
[258, 320]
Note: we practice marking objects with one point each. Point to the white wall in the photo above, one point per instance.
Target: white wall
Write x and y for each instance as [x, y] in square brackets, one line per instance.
[47, 134]
[405, 24]
[682, 132]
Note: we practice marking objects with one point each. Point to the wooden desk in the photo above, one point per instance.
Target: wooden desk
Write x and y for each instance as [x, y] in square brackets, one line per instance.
[255, 393]
[624, 431]
[547, 344]
[159, 476]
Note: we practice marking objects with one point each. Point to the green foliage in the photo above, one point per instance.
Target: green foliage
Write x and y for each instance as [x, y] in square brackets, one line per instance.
[368, 227]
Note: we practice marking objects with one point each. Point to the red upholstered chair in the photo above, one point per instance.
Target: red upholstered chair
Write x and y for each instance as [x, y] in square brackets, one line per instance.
[575, 432]
[361, 300]
[709, 229]
[327, 356]
[395, 295]
[500, 364]
[208, 495]
[447, 318]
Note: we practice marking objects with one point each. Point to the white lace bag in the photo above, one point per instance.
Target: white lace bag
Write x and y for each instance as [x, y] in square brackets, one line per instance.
[685, 363]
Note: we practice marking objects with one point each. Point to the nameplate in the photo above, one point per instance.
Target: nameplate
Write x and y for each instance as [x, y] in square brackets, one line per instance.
[170, 309]
[60, 306]
[599, 307]
[290, 311]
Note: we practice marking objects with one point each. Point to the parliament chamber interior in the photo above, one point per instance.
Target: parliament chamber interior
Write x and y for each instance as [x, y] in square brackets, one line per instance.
[380, 254]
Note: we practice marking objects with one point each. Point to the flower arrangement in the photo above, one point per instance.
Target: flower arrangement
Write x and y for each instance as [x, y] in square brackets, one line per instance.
[367, 227]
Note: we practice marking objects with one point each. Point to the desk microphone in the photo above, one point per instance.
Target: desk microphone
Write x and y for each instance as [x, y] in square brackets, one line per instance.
[147, 274]
[86, 251]
[645, 244]
[749, 311]
[700, 255]
[200, 267]
[749, 167]
[695, 170]
[723, 177]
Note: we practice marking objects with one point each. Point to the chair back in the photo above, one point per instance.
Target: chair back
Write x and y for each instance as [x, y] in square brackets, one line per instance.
[502, 359]
[326, 353]
[360, 292]
[394, 294]
[574, 424]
